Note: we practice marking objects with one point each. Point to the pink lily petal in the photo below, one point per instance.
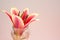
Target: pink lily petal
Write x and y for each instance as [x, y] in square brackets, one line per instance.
[25, 13]
[10, 15]
[26, 25]
[18, 22]
[15, 11]
[30, 17]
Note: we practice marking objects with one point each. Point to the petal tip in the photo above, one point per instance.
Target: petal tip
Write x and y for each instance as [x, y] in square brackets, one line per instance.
[35, 14]
[37, 19]
[14, 11]
[26, 9]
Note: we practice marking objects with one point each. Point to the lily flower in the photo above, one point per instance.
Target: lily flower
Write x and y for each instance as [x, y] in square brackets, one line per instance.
[20, 20]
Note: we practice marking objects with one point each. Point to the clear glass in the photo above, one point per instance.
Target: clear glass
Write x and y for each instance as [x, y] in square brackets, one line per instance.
[24, 36]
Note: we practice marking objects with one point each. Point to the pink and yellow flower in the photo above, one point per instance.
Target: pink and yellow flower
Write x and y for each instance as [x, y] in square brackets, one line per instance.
[20, 20]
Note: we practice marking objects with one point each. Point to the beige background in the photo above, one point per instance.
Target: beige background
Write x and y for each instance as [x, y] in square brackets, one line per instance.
[47, 28]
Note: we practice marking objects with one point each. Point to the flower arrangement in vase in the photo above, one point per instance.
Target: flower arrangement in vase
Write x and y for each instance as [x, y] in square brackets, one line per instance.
[20, 21]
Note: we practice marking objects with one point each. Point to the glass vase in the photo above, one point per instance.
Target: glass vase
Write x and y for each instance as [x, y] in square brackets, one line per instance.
[24, 36]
